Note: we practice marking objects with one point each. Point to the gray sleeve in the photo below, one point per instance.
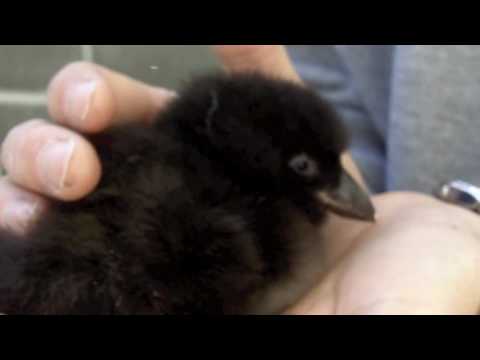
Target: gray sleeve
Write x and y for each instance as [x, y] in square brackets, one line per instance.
[434, 116]
[412, 109]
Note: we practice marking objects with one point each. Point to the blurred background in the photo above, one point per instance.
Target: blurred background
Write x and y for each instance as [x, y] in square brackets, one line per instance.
[25, 71]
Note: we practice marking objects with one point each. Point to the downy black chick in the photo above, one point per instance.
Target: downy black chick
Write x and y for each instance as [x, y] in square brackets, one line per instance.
[213, 210]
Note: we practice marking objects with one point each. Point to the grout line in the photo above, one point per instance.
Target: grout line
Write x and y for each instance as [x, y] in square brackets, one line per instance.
[22, 98]
[87, 52]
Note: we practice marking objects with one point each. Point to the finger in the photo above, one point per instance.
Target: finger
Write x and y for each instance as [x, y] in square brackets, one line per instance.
[50, 160]
[268, 59]
[91, 98]
[19, 208]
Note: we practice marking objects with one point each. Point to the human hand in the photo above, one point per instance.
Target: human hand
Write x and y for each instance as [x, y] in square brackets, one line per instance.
[420, 257]
[53, 161]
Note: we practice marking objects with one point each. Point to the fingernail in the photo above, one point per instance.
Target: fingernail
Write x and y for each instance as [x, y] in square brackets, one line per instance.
[78, 101]
[53, 162]
[18, 216]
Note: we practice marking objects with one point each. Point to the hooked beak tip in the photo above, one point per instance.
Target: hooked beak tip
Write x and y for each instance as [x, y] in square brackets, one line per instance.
[349, 199]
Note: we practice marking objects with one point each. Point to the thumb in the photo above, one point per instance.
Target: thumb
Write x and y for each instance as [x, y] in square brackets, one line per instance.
[268, 59]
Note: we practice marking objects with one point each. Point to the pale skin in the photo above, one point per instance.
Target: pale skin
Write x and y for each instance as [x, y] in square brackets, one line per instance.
[420, 257]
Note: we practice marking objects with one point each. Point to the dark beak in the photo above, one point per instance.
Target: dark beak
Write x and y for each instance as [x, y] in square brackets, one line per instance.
[349, 199]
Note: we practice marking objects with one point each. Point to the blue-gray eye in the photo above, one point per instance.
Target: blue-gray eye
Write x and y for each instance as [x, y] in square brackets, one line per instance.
[304, 165]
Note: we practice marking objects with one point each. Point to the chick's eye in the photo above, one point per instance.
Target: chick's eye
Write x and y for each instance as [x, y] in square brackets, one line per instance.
[303, 165]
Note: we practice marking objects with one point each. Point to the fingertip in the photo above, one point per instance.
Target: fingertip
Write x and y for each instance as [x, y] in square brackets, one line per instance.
[19, 208]
[91, 98]
[86, 167]
[50, 160]
[100, 112]
[75, 176]
[79, 97]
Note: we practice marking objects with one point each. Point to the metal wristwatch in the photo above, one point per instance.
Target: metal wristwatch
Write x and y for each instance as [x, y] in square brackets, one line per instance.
[460, 193]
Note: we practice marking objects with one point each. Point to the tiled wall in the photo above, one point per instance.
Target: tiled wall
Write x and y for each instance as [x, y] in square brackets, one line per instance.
[25, 70]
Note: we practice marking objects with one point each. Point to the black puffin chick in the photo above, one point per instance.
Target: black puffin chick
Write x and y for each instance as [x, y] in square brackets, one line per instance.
[215, 209]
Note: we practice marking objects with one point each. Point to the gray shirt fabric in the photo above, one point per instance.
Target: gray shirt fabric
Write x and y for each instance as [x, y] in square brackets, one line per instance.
[413, 110]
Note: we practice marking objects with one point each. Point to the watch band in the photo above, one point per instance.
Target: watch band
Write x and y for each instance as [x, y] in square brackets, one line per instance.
[460, 193]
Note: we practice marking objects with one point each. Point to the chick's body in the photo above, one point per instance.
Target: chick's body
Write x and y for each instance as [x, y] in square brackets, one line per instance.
[194, 215]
